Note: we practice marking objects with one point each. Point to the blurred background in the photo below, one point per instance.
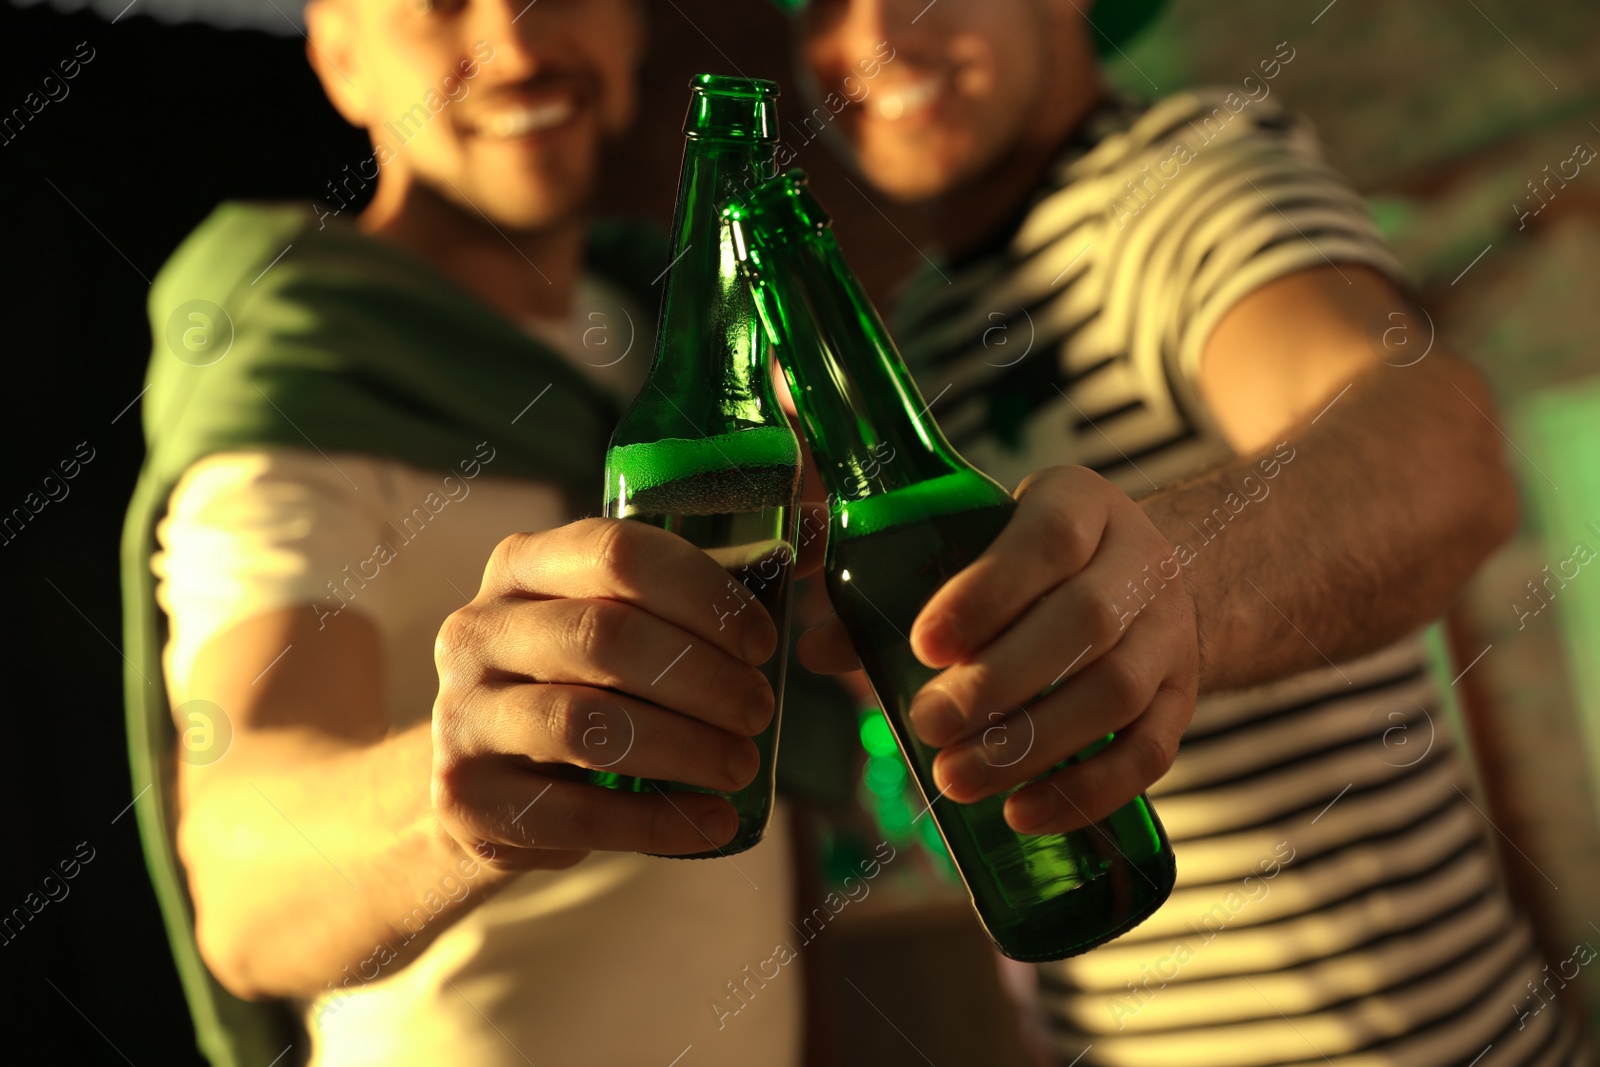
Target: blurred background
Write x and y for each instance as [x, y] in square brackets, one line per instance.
[1449, 115]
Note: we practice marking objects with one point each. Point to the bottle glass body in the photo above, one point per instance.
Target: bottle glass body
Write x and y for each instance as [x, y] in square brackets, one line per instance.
[906, 514]
[705, 451]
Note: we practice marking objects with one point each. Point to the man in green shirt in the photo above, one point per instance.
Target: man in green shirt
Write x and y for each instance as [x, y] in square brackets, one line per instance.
[366, 637]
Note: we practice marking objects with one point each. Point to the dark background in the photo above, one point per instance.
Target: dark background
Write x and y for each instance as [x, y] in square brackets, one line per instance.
[101, 186]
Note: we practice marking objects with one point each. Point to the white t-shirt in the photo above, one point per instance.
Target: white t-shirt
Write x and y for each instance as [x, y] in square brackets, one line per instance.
[622, 959]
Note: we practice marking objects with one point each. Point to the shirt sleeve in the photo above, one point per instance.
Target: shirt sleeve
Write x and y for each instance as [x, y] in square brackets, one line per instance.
[247, 533]
[1240, 199]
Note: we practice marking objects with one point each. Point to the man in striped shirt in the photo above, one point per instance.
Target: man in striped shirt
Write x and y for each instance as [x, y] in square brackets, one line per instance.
[1160, 320]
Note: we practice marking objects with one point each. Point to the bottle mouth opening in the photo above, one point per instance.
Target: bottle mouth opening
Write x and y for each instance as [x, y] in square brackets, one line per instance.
[728, 85]
[730, 108]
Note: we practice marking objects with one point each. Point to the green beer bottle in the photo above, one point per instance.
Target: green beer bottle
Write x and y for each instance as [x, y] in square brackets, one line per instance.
[907, 513]
[705, 451]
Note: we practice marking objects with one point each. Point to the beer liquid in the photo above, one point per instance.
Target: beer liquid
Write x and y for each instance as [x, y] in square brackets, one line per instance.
[741, 515]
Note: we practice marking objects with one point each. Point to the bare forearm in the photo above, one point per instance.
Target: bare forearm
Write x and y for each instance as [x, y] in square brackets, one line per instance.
[1360, 528]
[315, 861]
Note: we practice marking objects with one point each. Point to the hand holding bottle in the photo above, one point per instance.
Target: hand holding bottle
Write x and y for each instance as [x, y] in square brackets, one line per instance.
[1080, 591]
[598, 645]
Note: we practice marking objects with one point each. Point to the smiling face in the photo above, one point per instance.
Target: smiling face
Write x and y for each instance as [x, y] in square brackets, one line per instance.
[969, 79]
[499, 106]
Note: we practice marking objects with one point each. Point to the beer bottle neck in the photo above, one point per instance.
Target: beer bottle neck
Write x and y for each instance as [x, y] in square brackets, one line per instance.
[711, 358]
[868, 425]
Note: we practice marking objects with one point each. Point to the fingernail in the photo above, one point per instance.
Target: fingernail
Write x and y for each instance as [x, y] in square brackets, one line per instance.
[964, 772]
[934, 718]
[761, 705]
[1029, 812]
[943, 638]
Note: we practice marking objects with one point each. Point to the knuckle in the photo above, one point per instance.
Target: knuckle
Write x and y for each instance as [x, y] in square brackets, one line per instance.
[452, 633]
[453, 649]
[600, 633]
[615, 547]
[1064, 530]
[1101, 615]
[494, 635]
[588, 529]
[503, 560]
[1123, 678]
[560, 718]
[1152, 756]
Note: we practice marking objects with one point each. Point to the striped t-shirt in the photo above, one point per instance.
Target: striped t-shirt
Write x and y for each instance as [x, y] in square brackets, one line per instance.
[1338, 900]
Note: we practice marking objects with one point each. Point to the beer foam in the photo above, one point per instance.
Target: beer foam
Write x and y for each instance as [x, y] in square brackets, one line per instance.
[738, 471]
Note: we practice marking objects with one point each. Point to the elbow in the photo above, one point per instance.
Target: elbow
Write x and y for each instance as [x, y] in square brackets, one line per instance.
[1495, 498]
[226, 956]
[222, 930]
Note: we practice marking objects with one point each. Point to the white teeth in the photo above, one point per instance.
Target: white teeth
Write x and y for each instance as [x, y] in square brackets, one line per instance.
[894, 104]
[516, 122]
